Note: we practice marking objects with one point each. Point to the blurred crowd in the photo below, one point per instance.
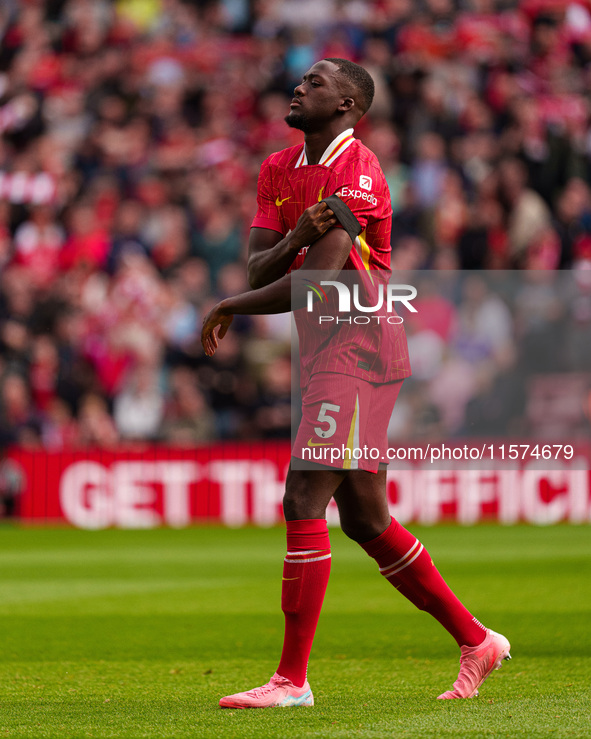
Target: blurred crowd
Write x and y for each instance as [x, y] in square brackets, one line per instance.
[498, 355]
[131, 135]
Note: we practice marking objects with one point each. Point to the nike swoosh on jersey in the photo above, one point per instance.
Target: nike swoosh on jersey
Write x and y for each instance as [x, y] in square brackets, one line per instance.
[279, 203]
[320, 193]
[311, 443]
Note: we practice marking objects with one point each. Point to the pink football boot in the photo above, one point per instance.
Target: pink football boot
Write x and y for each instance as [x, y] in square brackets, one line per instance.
[476, 664]
[278, 692]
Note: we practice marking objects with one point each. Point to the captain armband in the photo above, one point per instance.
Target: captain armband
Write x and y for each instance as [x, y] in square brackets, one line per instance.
[344, 216]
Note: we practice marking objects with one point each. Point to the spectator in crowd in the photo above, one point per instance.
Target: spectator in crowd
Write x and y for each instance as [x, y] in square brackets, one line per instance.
[527, 212]
[273, 417]
[188, 419]
[97, 429]
[38, 242]
[138, 408]
[11, 484]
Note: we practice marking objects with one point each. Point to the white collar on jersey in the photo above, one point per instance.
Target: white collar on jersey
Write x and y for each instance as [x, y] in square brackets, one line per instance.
[333, 151]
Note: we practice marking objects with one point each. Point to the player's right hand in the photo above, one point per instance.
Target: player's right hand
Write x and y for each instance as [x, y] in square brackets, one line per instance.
[216, 317]
[314, 222]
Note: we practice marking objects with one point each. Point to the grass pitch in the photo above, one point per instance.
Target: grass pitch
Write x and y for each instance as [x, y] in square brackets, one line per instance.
[138, 634]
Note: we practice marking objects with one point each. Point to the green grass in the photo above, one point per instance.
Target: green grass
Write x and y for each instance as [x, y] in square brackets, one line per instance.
[138, 634]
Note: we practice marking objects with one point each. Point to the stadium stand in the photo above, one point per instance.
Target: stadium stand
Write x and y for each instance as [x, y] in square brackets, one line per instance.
[131, 134]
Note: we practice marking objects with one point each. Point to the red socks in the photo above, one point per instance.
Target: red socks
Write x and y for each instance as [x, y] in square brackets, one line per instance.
[305, 576]
[402, 560]
[407, 565]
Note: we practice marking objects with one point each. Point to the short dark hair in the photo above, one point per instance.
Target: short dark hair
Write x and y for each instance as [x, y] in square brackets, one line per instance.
[359, 78]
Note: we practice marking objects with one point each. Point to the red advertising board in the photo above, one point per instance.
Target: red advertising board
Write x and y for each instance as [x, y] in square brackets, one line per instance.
[239, 484]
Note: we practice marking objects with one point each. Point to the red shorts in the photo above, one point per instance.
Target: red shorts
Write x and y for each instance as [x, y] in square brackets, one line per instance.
[345, 422]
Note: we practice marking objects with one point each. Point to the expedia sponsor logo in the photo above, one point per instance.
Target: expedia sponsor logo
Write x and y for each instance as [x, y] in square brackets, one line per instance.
[347, 192]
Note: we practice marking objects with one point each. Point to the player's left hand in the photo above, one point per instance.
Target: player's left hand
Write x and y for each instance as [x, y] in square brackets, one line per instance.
[216, 317]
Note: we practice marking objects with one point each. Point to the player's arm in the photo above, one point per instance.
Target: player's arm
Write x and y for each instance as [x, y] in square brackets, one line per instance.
[329, 254]
[270, 256]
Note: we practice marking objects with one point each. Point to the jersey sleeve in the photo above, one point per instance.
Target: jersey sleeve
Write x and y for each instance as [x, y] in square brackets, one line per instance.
[363, 188]
[268, 214]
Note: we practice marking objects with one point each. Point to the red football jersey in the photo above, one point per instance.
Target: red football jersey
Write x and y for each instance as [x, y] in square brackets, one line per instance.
[288, 185]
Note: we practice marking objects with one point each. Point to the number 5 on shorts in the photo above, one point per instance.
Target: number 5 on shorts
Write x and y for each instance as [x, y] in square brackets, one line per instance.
[323, 417]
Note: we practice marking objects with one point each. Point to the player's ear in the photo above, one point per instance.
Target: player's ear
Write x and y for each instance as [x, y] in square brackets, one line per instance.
[346, 104]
